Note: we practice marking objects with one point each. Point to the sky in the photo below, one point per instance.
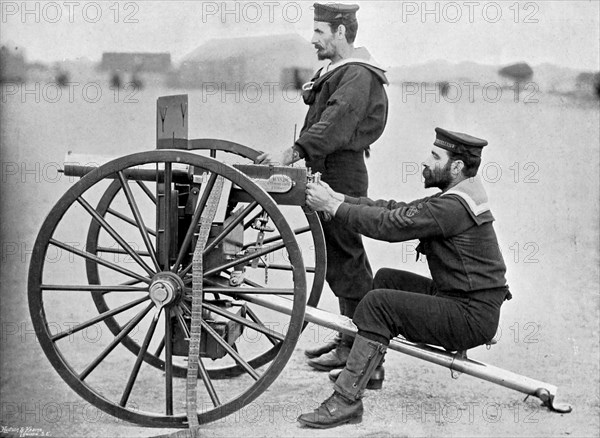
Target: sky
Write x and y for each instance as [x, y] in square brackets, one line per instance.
[565, 33]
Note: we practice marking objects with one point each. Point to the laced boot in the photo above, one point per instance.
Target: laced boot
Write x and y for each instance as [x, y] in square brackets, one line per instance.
[315, 352]
[336, 358]
[345, 405]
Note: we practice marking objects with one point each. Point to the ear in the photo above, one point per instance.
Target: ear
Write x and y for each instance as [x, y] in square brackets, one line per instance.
[341, 32]
[457, 167]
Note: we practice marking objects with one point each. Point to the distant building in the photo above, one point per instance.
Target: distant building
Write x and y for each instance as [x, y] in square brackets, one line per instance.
[12, 65]
[279, 59]
[136, 62]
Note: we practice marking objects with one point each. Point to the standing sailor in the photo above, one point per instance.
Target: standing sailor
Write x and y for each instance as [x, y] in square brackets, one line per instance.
[347, 113]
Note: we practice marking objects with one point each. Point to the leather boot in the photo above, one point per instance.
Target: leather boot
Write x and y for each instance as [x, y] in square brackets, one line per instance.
[345, 405]
[375, 382]
[315, 352]
[336, 358]
[312, 353]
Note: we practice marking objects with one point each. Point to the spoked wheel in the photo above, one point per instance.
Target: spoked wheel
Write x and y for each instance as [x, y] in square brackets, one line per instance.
[146, 285]
[306, 227]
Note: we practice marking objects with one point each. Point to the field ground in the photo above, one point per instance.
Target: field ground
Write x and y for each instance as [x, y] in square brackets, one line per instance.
[542, 174]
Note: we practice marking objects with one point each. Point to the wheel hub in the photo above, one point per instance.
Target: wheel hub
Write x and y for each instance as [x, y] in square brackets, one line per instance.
[165, 288]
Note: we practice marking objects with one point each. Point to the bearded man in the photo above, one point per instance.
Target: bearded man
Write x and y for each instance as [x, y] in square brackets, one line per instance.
[458, 308]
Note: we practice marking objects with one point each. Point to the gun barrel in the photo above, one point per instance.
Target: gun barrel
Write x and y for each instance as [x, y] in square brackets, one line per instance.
[79, 165]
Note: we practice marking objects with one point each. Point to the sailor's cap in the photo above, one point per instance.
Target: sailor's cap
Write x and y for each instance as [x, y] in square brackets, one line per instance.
[332, 12]
[459, 142]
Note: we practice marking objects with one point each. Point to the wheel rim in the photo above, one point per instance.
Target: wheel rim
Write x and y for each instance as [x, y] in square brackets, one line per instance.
[42, 295]
[318, 243]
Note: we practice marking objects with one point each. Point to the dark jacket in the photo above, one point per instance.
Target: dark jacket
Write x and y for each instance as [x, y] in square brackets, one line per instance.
[347, 111]
[454, 228]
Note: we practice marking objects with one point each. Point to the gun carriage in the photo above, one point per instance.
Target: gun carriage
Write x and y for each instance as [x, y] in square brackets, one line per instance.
[189, 261]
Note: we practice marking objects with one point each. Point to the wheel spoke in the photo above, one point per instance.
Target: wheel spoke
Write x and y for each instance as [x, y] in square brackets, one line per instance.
[98, 318]
[237, 261]
[238, 290]
[239, 217]
[92, 288]
[230, 350]
[125, 283]
[244, 259]
[120, 251]
[128, 220]
[160, 347]
[138, 219]
[140, 357]
[99, 260]
[110, 230]
[124, 332]
[146, 190]
[297, 232]
[254, 317]
[201, 369]
[250, 324]
[252, 283]
[195, 219]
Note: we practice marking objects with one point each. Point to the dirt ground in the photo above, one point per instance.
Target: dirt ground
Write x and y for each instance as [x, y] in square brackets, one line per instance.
[543, 181]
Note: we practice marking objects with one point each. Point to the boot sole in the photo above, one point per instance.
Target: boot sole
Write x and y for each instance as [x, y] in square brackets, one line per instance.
[354, 420]
[320, 367]
[319, 354]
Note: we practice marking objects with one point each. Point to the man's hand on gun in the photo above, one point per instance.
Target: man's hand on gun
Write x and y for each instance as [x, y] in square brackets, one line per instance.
[321, 197]
[270, 159]
[281, 158]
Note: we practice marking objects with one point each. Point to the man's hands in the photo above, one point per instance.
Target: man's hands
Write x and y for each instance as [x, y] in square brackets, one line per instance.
[283, 158]
[321, 197]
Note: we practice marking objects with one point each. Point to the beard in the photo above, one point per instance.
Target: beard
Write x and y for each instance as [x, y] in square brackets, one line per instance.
[440, 178]
[324, 52]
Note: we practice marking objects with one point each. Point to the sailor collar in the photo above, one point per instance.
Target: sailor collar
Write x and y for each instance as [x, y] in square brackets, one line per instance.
[473, 193]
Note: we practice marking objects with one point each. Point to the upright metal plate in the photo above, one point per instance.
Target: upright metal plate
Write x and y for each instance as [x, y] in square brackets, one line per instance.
[172, 122]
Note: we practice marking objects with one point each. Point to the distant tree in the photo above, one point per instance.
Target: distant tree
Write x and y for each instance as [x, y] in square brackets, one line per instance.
[589, 81]
[520, 72]
[62, 78]
[115, 80]
[444, 87]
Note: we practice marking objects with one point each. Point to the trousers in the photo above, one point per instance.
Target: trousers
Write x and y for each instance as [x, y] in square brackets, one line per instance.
[349, 272]
[407, 304]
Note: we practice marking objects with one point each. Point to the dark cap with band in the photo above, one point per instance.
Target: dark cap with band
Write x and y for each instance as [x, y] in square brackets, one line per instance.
[458, 142]
[335, 12]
